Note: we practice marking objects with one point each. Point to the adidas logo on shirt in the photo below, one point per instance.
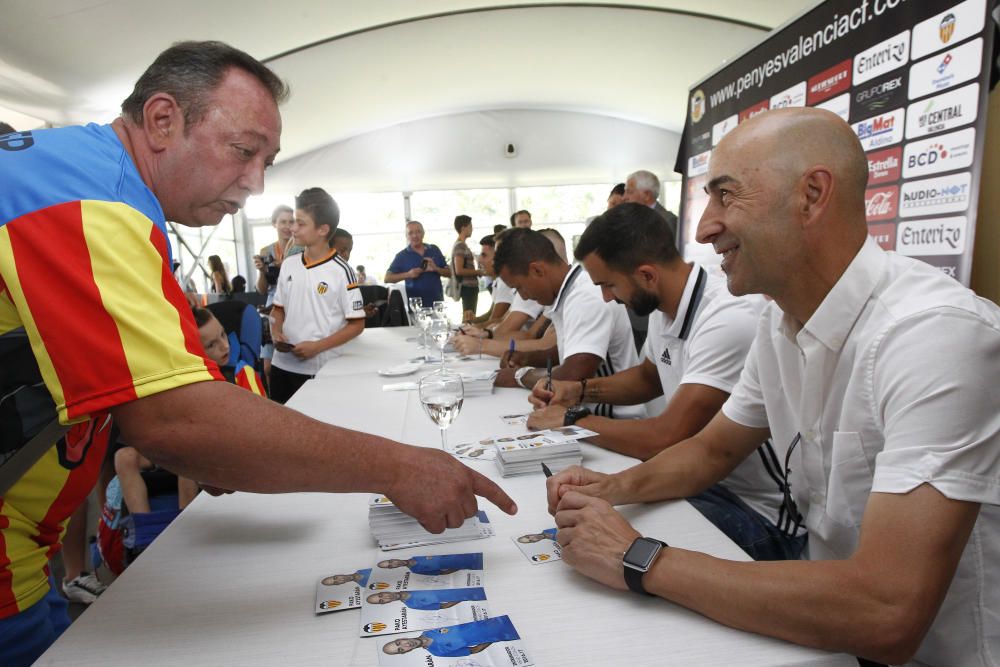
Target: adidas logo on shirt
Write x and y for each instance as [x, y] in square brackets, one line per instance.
[665, 357]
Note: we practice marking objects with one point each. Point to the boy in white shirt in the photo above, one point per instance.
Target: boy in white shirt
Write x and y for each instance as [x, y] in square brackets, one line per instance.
[317, 305]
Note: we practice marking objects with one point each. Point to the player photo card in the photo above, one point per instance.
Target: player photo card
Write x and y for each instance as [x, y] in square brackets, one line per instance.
[482, 450]
[493, 642]
[540, 547]
[422, 572]
[336, 592]
[390, 612]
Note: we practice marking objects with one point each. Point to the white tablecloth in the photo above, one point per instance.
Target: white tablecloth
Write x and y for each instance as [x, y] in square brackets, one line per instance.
[232, 580]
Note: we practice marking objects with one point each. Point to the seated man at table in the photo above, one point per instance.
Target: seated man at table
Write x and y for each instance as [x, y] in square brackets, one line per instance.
[699, 336]
[593, 337]
[880, 373]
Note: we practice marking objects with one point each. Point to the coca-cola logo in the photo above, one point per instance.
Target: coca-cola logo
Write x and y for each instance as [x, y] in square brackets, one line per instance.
[881, 203]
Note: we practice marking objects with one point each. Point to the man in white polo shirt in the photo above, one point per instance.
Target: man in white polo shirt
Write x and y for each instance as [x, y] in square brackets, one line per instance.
[593, 337]
[699, 336]
[317, 305]
[878, 376]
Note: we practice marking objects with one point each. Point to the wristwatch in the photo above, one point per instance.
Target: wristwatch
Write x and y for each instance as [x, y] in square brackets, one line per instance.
[638, 559]
[574, 413]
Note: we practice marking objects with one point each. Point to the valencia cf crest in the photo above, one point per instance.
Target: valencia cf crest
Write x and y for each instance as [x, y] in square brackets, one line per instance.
[697, 106]
[374, 627]
[378, 586]
[947, 28]
[322, 288]
[330, 604]
[540, 558]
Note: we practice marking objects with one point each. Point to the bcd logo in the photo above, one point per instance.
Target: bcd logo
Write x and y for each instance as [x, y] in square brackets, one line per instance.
[928, 157]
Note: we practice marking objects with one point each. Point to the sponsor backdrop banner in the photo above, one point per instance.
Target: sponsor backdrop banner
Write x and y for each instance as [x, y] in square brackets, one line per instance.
[911, 77]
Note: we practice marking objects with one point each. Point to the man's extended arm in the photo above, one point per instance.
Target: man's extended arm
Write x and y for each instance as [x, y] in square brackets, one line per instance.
[247, 443]
[691, 407]
[877, 604]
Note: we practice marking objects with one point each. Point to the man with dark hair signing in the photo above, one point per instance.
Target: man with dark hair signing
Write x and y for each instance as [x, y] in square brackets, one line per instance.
[593, 337]
[876, 375]
[699, 336]
[111, 335]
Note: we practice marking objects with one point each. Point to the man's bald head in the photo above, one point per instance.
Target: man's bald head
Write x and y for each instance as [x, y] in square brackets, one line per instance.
[789, 142]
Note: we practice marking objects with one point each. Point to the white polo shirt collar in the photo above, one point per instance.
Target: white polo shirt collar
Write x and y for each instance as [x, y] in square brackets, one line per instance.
[687, 309]
[567, 283]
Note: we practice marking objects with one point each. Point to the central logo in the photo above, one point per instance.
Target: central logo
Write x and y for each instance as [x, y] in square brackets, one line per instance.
[665, 357]
[322, 288]
[330, 604]
[374, 627]
[378, 586]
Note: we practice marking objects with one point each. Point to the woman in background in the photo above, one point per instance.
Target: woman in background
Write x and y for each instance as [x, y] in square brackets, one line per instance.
[220, 281]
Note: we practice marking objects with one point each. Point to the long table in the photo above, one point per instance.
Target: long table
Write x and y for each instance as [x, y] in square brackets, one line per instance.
[232, 580]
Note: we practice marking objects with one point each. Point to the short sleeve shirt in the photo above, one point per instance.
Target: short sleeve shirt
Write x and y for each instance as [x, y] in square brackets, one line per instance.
[891, 384]
[85, 269]
[502, 292]
[586, 324]
[318, 299]
[461, 249]
[707, 344]
[427, 285]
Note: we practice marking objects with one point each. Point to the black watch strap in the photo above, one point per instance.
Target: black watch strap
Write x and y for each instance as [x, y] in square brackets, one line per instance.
[633, 576]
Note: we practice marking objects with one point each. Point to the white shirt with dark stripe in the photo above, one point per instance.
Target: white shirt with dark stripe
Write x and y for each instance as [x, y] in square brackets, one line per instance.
[586, 324]
[707, 344]
[318, 300]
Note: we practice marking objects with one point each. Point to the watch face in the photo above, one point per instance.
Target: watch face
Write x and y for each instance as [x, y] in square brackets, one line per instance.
[642, 552]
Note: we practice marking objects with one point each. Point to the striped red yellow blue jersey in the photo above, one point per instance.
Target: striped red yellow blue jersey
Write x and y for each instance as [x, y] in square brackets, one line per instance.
[246, 377]
[85, 269]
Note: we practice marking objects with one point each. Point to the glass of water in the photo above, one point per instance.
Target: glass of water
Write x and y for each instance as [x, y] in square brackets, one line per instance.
[440, 332]
[415, 303]
[424, 318]
[442, 394]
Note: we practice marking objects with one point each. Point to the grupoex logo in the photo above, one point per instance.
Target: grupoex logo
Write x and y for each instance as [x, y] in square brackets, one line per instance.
[697, 105]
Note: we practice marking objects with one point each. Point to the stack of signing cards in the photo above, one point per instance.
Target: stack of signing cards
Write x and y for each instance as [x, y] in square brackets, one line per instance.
[393, 529]
[557, 448]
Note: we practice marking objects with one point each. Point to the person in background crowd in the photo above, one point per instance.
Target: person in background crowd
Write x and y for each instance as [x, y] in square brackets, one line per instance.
[317, 306]
[220, 281]
[643, 187]
[521, 218]
[891, 447]
[268, 263]
[343, 243]
[421, 265]
[192, 143]
[464, 269]
[616, 196]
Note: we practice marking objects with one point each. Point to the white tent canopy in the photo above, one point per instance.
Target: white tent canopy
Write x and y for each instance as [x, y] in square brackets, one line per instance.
[356, 68]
